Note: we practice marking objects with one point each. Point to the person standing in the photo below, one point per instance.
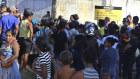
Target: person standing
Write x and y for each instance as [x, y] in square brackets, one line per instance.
[42, 65]
[12, 72]
[9, 22]
[47, 16]
[25, 38]
[129, 57]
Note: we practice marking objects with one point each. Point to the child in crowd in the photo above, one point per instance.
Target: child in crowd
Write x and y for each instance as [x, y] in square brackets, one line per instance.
[109, 60]
[65, 72]
[89, 57]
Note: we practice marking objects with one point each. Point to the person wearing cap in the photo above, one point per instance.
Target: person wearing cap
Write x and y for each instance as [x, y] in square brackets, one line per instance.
[9, 22]
[126, 23]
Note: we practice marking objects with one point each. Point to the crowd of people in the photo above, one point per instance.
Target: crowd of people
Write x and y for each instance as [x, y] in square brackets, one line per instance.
[67, 49]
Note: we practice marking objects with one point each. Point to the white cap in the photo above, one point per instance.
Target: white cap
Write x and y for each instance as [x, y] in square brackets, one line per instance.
[13, 8]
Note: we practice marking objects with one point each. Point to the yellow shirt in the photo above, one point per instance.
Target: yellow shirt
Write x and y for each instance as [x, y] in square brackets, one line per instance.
[24, 31]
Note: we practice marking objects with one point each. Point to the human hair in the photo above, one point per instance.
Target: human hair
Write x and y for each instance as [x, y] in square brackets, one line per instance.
[136, 18]
[112, 28]
[27, 14]
[11, 31]
[123, 30]
[61, 25]
[48, 12]
[66, 57]
[89, 55]
[75, 17]
[8, 10]
[101, 23]
[42, 45]
[51, 24]
[107, 19]
[111, 41]
[129, 16]
[27, 10]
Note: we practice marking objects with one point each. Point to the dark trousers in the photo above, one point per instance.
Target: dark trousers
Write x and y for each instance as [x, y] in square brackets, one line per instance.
[138, 67]
[128, 68]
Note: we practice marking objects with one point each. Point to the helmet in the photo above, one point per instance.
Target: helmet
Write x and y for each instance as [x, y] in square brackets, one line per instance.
[90, 29]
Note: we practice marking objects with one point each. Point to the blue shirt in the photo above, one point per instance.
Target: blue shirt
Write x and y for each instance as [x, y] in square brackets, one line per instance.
[109, 59]
[8, 22]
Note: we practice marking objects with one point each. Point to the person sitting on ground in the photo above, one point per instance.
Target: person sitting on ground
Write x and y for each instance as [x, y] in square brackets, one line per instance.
[65, 72]
[89, 57]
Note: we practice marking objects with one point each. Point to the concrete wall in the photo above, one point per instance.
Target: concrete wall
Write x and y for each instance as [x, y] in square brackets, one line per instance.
[85, 8]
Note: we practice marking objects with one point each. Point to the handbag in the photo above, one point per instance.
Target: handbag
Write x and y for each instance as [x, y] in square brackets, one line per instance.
[9, 64]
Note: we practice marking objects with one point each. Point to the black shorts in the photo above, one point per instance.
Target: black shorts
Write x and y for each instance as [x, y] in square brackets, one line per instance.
[25, 45]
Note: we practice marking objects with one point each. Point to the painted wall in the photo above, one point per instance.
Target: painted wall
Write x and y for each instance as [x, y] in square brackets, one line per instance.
[38, 7]
[85, 8]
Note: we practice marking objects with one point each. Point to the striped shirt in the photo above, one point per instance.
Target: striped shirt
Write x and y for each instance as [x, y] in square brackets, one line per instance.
[44, 58]
[90, 73]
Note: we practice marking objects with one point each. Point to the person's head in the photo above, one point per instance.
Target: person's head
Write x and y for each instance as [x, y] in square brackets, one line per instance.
[135, 19]
[126, 21]
[112, 29]
[101, 23]
[48, 13]
[41, 45]
[9, 35]
[52, 25]
[28, 15]
[81, 28]
[76, 17]
[109, 42]
[133, 33]
[129, 17]
[87, 22]
[124, 30]
[8, 10]
[61, 25]
[90, 30]
[13, 10]
[27, 10]
[113, 22]
[89, 56]
[66, 58]
[107, 19]
[72, 17]
[3, 8]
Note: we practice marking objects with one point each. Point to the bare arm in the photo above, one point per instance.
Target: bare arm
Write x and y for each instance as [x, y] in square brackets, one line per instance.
[16, 30]
[127, 46]
[43, 72]
[56, 75]
[15, 48]
[0, 30]
[30, 26]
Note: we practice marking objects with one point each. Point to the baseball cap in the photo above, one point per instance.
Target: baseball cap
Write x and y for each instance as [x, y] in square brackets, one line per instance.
[13, 8]
[125, 20]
